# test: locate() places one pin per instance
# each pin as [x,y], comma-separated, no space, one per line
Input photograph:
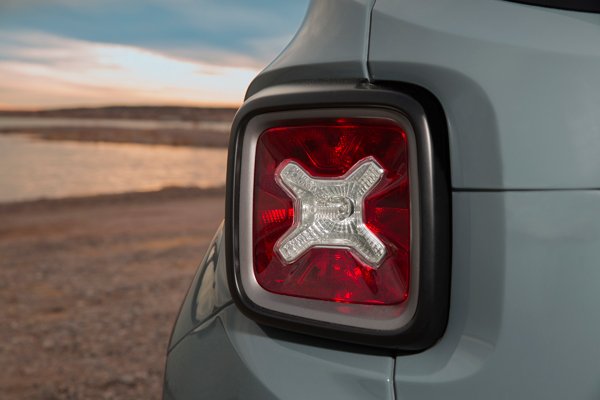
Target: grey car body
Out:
[520,88]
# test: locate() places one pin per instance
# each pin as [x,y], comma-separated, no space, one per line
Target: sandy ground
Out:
[90,288]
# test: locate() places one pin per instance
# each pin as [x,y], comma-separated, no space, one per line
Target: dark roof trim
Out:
[592,6]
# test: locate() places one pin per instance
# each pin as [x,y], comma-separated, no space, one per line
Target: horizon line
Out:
[60,108]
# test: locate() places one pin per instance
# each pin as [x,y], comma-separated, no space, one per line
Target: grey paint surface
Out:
[230,356]
[204,365]
[331,43]
[208,292]
[295,366]
[520,86]
[524,318]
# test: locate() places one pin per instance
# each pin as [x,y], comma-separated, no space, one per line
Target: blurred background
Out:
[114,123]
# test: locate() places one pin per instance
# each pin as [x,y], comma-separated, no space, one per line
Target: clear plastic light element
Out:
[329,212]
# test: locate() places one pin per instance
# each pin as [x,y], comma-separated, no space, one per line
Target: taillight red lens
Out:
[329,272]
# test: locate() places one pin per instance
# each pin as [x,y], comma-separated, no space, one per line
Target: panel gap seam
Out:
[369,23]
[393,383]
[478,190]
[212,314]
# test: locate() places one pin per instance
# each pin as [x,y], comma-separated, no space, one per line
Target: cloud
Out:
[39,70]
[93,52]
[223,32]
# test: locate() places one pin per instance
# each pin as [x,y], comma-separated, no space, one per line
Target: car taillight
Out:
[337,219]
[332,212]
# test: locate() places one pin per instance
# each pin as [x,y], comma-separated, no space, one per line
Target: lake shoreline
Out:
[170,137]
[162,195]
[174,126]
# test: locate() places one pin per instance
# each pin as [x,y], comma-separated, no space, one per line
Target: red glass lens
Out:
[334,274]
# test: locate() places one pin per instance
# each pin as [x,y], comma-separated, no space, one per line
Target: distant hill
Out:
[172,113]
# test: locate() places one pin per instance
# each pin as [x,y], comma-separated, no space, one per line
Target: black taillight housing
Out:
[338,213]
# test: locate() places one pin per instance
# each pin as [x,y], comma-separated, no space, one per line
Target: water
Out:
[31,168]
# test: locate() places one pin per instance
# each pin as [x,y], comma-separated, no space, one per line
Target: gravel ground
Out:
[90,288]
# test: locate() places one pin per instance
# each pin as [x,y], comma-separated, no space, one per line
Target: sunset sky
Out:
[69,53]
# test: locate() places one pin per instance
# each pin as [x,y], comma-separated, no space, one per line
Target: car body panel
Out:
[208,292]
[204,364]
[330,44]
[295,366]
[520,86]
[230,356]
[524,318]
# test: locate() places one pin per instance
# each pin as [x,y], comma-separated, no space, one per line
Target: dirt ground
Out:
[90,288]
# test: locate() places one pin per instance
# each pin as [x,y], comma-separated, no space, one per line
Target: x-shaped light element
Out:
[329,211]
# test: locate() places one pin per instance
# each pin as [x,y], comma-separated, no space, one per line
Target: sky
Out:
[85,53]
